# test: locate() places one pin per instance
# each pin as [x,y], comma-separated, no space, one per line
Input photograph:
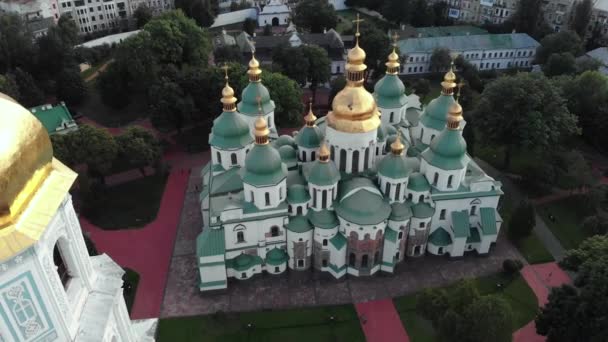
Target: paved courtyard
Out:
[297,289]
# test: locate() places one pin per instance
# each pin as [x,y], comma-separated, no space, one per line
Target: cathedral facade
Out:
[377,182]
[50,288]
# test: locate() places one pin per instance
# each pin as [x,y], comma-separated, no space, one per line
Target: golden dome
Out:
[261,131]
[356,55]
[449,80]
[324,153]
[397,146]
[354,110]
[310,119]
[228,98]
[254,71]
[392,66]
[26,154]
[454,116]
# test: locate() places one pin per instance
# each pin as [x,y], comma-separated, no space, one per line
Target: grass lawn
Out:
[129,205]
[311,324]
[131,280]
[515,291]
[568,218]
[533,250]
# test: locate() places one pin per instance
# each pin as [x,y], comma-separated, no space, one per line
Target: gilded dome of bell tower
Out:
[354,109]
[26,154]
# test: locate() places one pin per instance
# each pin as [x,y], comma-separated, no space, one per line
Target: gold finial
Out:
[449,80]
[225,68]
[260,125]
[395,38]
[228,99]
[357,33]
[324,153]
[397,146]
[392,66]
[310,119]
[455,111]
[254,71]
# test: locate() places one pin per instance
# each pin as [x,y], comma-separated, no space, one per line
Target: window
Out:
[355,161]
[338,69]
[421,198]
[473,209]
[314,198]
[409,197]
[277,269]
[233,159]
[324,242]
[364,261]
[440,250]
[219,157]
[342,160]
[312,156]
[442,214]
[324,199]
[240,237]
[352,259]
[303,155]
[243,275]
[392,117]
[299,210]
[400,236]
[252,199]
[24,311]
[432,137]
[398,192]
[387,190]
[300,262]
[435,178]
[62,268]
[267,198]
[421,225]
[274,231]
[397,256]
[450,181]
[324,263]
[366,159]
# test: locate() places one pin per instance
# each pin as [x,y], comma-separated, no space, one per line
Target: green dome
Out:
[363,206]
[324,219]
[390,92]
[418,182]
[244,262]
[394,167]
[287,153]
[400,211]
[263,166]
[381,133]
[309,137]
[323,174]
[249,99]
[299,224]
[422,210]
[297,194]
[284,140]
[447,151]
[276,256]
[435,114]
[391,130]
[229,131]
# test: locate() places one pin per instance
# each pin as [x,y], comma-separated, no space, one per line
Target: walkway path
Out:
[542,231]
[96,73]
[541,278]
[147,250]
[380,321]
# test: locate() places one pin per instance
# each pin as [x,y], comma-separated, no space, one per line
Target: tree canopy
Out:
[522,221]
[560,42]
[582,17]
[440,59]
[202,11]
[524,110]
[142,15]
[315,15]
[560,64]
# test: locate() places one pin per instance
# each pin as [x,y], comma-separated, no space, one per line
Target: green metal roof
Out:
[323,174]
[394,167]
[243,262]
[422,210]
[440,238]
[390,234]
[309,137]
[456,30]
[249,100]
[338,241]
[297,194]
[488,221]
[462,192]
[263,166]
[435,114]
[276,256]
[362,206]
[228,181]
[284,140]
[472,42]
[210,242]
[52,118]
[418,182]
[287,153]
[448,151]
[230,131]
[473,235]
[389,92]
[460,224]
[324,219]
[400,211]
[299,224]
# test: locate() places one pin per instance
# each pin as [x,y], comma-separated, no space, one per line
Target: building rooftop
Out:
[468,43]
[55,118]
[111,39]
[235,17]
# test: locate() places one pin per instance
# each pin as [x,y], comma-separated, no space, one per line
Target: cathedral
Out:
[377,182]
[50,288]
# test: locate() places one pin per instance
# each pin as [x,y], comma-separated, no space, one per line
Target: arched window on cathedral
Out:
[398,192]
[364,261]
[267,197]
[303,155]
[355,167]
[421,199]
[450,181]
[392,117]
[387,189]
[342,160]
[62,267]
[333,152]
[240,237]
[219,157]
[377,258]
[366,160]
[352,259]
[435,179]
[312,156]
[324,199]
[274,231]
[233,158]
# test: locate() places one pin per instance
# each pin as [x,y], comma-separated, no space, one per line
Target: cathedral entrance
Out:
[275,21]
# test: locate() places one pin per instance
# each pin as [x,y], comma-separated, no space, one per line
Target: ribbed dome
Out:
[230,130]
[447,151]
[390,92]
[309,137]
[26,154]
[284,140]
[287,153]
[249,100]
[323,173]
[263,166]
[394,166]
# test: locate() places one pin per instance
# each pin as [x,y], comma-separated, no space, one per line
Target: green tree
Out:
[375,42]
[527,110]
[560,64]
[142,15]
[9,87]
[587,64]
[292,62]
[314,15]
[396,11]
[335,86]
[227,53]
[71,87]
[596,224]
[171,107]
[287,96]
[528,17]
[591,249]
[493,320]
[67,30]
[560,42]
[249,26]
[582,17]
[577,171]
[440,59]
[522,221]
[89,145]
[469,136]
[422,14]
[113,87]
[469,73]
[319,66]
[16,46]
[202,11]
[30,93]
[139,146]
[432,303]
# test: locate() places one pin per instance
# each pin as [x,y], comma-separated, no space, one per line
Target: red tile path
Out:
[540,278]
[147,250]
[380,321]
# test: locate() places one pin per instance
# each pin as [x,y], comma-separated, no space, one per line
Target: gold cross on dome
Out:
[395,37]
[225,68]
[356,22]
[259,100]
[460,85]
[252,47]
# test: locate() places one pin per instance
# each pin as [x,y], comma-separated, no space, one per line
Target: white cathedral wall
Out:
[266,19]
[347,227]
[395,113]
[225,157]
[395,183]
[443,176]
[351,142]
[415,196]
[306,155]
[269,117]
[292,238]
[463,204]
[316,195]
[276,193]
[256,233]
[388,255]
[321,234]
[427,134]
